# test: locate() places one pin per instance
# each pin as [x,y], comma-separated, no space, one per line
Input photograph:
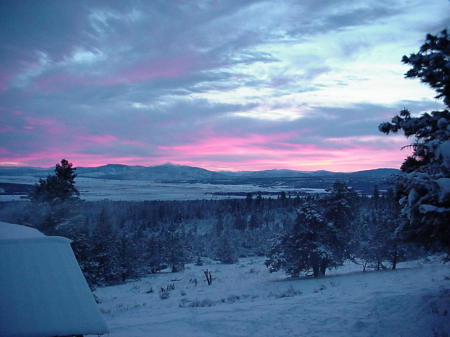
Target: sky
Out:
[223,85]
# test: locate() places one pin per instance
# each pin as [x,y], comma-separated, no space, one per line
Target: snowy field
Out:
[136,190]
[246,300]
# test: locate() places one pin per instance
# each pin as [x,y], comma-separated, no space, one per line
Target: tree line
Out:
[119,240]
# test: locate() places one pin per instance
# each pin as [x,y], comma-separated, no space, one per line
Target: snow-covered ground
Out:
[246,300]
[137,190]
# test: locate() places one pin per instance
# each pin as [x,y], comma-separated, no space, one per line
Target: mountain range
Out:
[172,172]
[363,181]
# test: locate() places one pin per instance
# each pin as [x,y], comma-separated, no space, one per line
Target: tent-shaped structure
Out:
[42,289]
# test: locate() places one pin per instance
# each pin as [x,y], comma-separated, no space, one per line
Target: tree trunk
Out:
[395,258]
[323,267]
[315,261]
[316,270]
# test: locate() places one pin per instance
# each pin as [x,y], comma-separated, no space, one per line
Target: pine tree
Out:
[128,255]
[239,222]
[104,255]
[218,228]
[82,246]
[153,254]
[309,245]
[174,248]
[225,251]
[424,188]
[58,187]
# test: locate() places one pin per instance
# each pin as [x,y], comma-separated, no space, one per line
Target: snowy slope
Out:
[245,300]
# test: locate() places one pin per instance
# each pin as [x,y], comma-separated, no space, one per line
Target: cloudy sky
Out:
[231,84]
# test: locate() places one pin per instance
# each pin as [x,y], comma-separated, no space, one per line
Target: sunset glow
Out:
[221,85]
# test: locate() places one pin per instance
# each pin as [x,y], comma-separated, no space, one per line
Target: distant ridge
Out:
[174,172]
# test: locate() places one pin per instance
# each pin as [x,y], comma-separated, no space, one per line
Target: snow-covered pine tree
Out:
[153,254]
[225,250]
[375,239]
[424,188]
[239,222]
[309,245]
[339,210]
[128,255]
[104,256]
[174,247]
[368,248]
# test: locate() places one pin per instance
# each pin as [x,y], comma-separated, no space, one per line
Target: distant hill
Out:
[181,172]
[363,181]
[25,171]
[160,172]
[268,173]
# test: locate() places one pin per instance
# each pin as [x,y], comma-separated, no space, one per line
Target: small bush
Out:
[290,292]
[322,288]
[164,295]
[185,303]
[232,299]
[236,298]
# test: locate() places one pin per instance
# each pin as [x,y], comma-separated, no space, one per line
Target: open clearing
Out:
[246,300]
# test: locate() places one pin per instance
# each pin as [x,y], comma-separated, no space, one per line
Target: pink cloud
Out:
[229,145]
[17,121]
[6,77]
[322,159]
[54,155]
[7,128]
[268,152]
[49,126]
[97,139]
[252,152]
[381,140]
[107,139]
[59,81]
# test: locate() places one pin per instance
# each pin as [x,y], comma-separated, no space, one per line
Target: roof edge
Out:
[44,239]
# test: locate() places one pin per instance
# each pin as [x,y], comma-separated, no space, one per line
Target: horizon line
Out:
[212,170]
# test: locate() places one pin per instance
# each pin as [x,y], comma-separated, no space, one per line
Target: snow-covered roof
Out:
[42,289]
[12,231]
